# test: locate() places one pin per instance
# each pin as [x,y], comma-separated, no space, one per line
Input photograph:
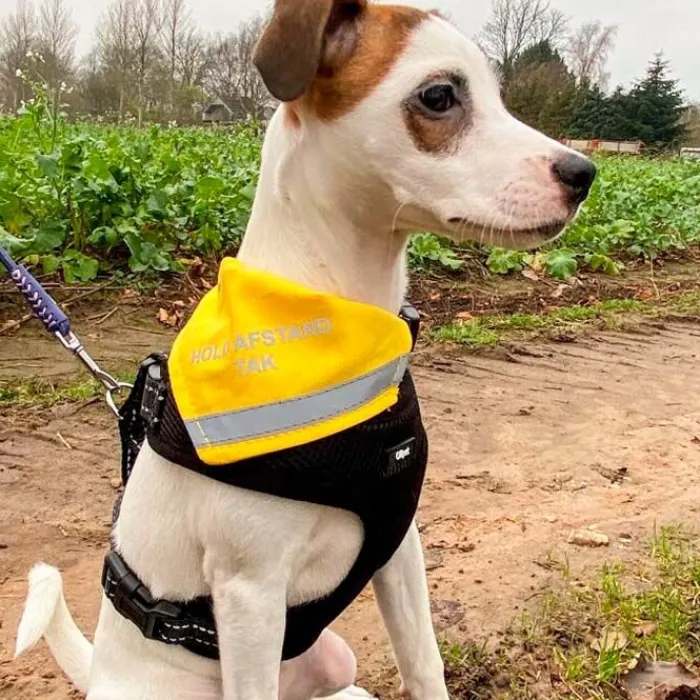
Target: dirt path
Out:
[522,452]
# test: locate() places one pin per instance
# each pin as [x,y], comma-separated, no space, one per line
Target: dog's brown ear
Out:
[303,38]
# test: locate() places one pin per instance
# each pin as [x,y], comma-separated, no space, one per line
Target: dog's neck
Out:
[320,220]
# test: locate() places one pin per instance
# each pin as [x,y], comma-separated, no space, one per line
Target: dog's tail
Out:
[46,615]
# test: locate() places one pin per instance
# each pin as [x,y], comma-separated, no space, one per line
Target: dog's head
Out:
[406,98]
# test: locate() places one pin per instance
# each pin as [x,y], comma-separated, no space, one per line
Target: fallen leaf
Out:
[610,640]
[588,538]
[530,274]
[167,319]
[653,680]
[464,316]
[559,291]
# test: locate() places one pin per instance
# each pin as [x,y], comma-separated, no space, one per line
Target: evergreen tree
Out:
[655,104]
[588,120]
[542,91]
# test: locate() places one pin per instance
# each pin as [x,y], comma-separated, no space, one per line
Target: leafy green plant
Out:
[503,262]
[426,249]
[84,199]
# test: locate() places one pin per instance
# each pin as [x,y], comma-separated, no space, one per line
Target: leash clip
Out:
[72,343]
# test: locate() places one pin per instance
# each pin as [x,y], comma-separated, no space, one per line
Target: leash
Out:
[58,325]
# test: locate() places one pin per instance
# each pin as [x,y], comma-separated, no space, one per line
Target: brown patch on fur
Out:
[354,64]
[433,134]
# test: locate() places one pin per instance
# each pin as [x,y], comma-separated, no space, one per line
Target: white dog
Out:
[391,123]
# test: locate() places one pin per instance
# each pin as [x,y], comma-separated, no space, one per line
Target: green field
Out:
[85,200]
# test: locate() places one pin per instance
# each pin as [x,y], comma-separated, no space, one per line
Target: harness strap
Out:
[190,625]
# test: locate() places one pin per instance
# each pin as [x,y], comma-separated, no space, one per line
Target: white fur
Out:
[335,204]
[46,615]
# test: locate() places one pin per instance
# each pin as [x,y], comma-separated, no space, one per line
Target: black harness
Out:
[374,470]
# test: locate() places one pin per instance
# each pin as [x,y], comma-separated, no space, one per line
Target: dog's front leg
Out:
[401,589]
[250,619]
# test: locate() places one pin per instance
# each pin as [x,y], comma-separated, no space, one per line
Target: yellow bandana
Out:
[265,364]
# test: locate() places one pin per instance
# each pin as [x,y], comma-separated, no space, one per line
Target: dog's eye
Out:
[438,98]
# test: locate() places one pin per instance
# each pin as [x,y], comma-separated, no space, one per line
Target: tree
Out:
[588,50]
[147,20]
[17,41]
[231,75]
[516,24]
[184,50]
[116,51]
[691,122]
[656,105]
[55,41]
[542,92]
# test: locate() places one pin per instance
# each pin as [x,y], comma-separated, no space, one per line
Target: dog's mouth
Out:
[511,237]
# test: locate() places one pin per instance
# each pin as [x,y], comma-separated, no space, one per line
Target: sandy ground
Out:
[603,432]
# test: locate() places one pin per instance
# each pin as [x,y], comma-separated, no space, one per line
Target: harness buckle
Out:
[132,599]
[411,317]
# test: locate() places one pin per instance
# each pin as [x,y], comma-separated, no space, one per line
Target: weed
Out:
[473,334]
[46,393]
[487,331]
[587,633]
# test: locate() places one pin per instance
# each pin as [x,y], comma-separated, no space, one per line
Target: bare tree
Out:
[231,75]
[588,51]
[191,59]
[17,40]
[116,51]
[56,37]
[185,52]
[691,120]
[176,20]
[147,20]
[516,24]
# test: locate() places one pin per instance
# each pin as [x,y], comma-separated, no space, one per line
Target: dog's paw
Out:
[354,692]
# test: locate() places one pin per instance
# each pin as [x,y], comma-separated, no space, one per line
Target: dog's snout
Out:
[577,174]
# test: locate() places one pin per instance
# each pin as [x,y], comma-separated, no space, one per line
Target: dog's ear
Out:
[304,38]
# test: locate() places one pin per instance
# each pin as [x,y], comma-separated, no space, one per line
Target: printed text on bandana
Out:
[264,341]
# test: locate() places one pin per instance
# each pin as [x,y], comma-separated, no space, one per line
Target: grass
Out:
[489,331]
[587,634]
[19,394]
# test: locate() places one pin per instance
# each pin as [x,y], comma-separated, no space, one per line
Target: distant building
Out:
[236,109]
[633,148]
[217,112]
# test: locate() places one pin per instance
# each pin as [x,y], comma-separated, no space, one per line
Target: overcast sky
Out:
[645,27]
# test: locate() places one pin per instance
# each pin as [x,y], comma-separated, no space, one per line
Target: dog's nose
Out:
[577,174]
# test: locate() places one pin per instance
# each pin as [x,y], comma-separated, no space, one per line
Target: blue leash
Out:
[57,324]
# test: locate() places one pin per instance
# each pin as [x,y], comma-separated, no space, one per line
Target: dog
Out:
[390,122]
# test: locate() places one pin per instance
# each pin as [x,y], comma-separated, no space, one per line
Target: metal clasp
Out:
[72,343]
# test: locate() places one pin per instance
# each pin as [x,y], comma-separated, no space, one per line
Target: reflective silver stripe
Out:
[269,419]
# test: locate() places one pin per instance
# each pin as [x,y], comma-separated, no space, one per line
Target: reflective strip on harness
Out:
[270,419]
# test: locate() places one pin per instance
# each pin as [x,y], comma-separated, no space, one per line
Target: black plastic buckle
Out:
[133,600]
[153,399]
[410,315]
